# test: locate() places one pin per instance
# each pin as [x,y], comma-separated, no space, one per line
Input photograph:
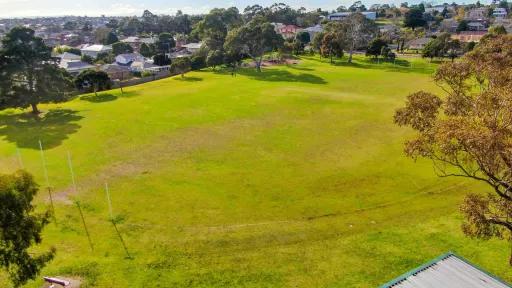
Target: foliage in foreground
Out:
[20,228]
[468,132]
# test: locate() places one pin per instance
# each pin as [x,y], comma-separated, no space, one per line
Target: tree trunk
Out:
[350,56]
[35,110]
[258,64]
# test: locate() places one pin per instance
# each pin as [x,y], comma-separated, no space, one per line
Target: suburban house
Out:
[94,50]
[115,71]
[500,13]
[288,31]
[136,42]
[66,57]
[342,15]
[448,270]
[418,44]
[312,31]
[180,54]
[449,25]
[469,36]
[128,59]
[477,26]
[476,14]
[192,47]
[436,9]
[75,67]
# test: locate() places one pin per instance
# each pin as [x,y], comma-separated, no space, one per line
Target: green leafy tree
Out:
[303,37]
[29,77]
[181,66]
[119,48]
[197,62]
[214,26]
[161,60]
[316,44]
[91,80]
[254,39]
[70,25]
[111,38]
[147,50]
[357,31]
[462,26]
[466,133]
[21,228]
[215,58]
[165,43]
[105,58]
[375,47]
[332,46]
[414,18]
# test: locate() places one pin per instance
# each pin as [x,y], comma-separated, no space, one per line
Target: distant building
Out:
[447,271]
[75,67]
[469,36]
[136,42]
[288,31]
[128,59]
[418,44]
[477,14]
[500,13]
[116,72]
[94,50]
[66,57]
[476,26]
[192,47]
[449,25]
[312,31]
[342,15]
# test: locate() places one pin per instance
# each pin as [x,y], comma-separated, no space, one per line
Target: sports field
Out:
[294,177]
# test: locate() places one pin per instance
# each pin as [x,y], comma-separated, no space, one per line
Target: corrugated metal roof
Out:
[447,271]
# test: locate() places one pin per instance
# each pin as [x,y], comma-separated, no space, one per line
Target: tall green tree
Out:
[21,228]
[29,76]
[414,18]
[165,42]
[254,39]
[94,81]
[147,50]
[214,27]
[215,58]
[119,48]
[181,66]
[357,32]
[466,132]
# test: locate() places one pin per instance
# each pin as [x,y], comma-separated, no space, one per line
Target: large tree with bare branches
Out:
[467,132]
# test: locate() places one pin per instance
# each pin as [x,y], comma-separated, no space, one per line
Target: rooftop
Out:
[447,271]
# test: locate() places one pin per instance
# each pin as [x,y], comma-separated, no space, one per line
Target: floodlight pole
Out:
[70,163]
[112,220]
[43,161]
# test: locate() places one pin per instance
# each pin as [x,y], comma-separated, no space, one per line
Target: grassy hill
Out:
[290,178]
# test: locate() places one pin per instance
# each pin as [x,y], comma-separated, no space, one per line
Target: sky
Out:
[36,8]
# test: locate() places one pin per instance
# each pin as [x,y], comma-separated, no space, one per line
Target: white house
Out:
[127,59]
[66,57]
[342,15]
[75,67]
[94,50]
[312,31]
[500,13]
[192,47]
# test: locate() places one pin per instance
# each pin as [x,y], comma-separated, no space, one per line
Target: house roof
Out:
[75,65]
[114,68]
[66,56]
[447,271]
[192,45]
[317,28]
[96,48]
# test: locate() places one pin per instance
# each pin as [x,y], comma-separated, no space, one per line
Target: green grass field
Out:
[290,178]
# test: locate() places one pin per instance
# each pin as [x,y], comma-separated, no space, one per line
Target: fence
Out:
[137,81]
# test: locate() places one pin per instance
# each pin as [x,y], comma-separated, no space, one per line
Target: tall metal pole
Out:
[113,221]
[70,163]
[48,187]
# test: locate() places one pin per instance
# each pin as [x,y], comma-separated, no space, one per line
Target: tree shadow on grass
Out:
[26,129]
[279,75]
[295,67]
[188,79]
[103,97]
